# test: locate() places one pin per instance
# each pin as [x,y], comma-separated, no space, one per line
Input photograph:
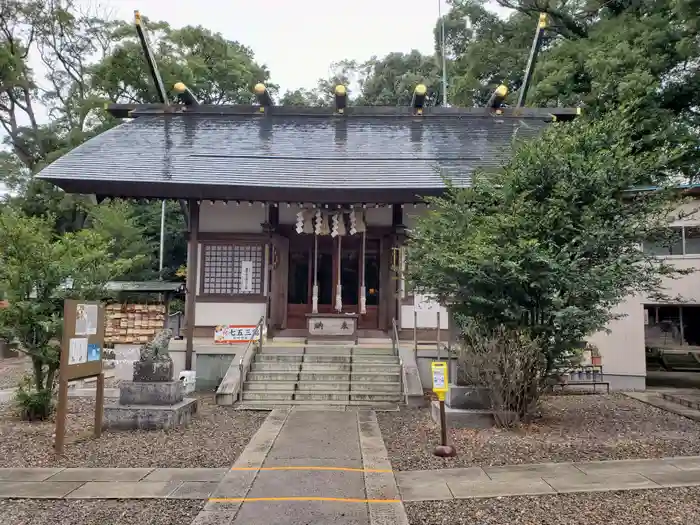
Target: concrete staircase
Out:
[323,375]
[686,361]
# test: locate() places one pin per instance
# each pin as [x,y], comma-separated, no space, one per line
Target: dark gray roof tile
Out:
[291,152]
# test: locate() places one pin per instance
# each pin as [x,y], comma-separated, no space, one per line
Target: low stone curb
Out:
[423,485]
[378,485]
[548,478]
[109,483]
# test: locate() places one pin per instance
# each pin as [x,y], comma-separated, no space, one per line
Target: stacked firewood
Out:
[133,323]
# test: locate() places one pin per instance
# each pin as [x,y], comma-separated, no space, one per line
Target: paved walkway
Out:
[309,466]
[285,475]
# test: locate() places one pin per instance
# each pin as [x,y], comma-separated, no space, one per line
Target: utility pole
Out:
[162,238]
[444,60]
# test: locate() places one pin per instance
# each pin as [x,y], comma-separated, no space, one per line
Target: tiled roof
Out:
[362,152]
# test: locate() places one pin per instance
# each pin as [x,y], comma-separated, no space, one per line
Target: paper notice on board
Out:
[86,319]
[246,279]
[78,351]
[438,378]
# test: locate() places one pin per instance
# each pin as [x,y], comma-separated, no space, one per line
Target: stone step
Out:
[691,400]
[268,396]
[326,358]
[375,396]
[360,387]
[383,377]
[336,386]
[327,349]
[376,367]
[680,361]
[326,367]
[323,376]
[264,386]
[381,359]
[372,351]
[278,350]
[319,405]
[319,395]
[275,366]
[278,358]
[267,375]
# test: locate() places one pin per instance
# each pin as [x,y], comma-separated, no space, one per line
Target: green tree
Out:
[303,97]
[38,270]
[550,245]
[390,81]
[217,70]
[599,55]
[90,60]
[386,81]
[118,221]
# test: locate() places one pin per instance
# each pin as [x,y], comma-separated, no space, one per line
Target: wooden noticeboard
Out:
[81,358]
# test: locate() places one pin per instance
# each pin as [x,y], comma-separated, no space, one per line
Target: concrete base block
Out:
[150,393]
[416,401]
[463,418]
[467,397]
[150,417]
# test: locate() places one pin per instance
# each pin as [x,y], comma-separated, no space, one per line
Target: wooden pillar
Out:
[362,293]
[399,231]
[192,270]
[385,297]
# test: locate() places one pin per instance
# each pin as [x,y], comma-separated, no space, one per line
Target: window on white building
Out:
[692,240]
[232,269]
[670,245]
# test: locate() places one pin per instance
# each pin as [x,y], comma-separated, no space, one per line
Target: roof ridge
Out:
[366,158]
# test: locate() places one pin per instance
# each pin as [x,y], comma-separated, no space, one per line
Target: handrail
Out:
[402,380]
[438,341]
[251,344]
[394,337]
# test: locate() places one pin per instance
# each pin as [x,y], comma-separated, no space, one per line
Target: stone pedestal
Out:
[151,401]
[463,418]
[467,397]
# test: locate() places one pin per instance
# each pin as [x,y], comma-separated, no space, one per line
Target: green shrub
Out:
[32,404]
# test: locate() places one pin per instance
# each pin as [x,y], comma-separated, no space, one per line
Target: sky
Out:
[297,40]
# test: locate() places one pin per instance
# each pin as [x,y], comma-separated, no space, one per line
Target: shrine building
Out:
[296,211]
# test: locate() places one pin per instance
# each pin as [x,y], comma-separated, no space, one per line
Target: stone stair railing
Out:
[231,385]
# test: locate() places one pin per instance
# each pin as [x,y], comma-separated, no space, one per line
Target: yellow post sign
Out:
[439,370]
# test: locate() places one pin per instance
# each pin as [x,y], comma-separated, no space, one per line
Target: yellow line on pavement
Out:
[310,498]
[342,469]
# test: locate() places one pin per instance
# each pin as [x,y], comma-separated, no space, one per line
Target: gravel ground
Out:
[11,371]
[103,512]
[214,439]
[677,506]
[572,428]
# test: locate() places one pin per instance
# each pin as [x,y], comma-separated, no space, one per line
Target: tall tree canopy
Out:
[89,60]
